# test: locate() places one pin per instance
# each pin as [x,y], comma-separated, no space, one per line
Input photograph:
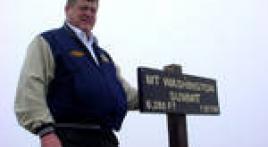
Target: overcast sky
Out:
[222,39]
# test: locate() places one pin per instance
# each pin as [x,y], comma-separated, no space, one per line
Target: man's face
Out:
[82,14]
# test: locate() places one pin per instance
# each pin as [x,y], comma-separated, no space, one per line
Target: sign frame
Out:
[169,92]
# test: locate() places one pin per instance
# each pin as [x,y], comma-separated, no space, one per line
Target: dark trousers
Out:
[71,137]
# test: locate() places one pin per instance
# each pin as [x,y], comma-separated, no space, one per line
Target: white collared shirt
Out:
[87,41]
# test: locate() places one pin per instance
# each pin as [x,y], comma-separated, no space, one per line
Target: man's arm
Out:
[30,105]
[132,93]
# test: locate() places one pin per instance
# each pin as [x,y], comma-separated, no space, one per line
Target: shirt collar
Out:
[81,34]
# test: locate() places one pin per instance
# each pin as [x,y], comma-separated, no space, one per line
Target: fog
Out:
[221,39]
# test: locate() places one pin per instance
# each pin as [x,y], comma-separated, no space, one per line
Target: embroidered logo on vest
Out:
[104,58]
[77,53]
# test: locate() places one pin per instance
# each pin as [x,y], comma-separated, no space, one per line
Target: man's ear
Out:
[66,8]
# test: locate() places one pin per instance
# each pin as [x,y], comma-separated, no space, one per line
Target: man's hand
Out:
[50,140]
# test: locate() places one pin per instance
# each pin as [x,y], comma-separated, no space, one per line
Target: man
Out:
[70,93]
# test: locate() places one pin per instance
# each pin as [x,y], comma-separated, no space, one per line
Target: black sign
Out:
[167,92]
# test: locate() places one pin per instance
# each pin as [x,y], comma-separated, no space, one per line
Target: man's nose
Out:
[91,11]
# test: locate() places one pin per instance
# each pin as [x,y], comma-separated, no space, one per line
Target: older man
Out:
[70,92]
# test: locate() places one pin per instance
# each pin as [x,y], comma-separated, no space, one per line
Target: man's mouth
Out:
[87,20]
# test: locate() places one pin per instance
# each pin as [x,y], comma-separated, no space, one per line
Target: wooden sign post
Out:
[176,94]
[177,123]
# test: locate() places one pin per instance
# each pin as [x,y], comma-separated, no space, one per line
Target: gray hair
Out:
[72,2]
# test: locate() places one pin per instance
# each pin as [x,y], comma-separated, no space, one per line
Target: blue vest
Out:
[83,92]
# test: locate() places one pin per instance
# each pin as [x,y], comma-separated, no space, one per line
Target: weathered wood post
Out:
[177,130]
[177,123]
